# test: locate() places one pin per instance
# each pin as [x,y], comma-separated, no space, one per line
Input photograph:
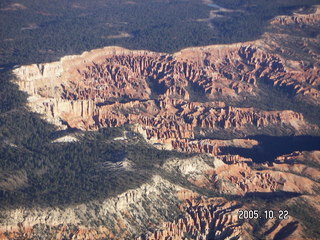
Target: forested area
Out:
[45,31]
[64,173]
[40,31]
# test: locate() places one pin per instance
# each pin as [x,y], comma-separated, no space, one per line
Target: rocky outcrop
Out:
[298,18]
[301,163]
[116,91]
[175,101]
[216,218]
[239,178]
[203,219]
[157,92]
[161,209]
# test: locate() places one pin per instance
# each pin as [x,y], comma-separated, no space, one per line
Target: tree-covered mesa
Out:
[41,31]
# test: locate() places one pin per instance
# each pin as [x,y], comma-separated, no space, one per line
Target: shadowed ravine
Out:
[271,147]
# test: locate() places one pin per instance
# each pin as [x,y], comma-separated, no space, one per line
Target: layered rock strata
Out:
[158,92]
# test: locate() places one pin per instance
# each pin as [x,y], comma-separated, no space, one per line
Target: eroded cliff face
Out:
[169,98]
[213,218]
[217,218]
[115,74]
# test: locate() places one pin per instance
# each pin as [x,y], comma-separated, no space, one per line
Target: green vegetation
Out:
[44,31]
[65,173]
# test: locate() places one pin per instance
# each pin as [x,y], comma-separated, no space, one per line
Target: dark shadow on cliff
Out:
[272,195]
[271,147]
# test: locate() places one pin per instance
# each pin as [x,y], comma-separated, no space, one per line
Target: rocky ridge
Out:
[156,205]
[96,219]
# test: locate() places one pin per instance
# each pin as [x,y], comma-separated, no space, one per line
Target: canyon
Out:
[202,101]
[159,94]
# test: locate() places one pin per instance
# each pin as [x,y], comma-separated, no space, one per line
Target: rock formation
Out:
[299,18]
[204,218]
[192,215]
[158,92]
